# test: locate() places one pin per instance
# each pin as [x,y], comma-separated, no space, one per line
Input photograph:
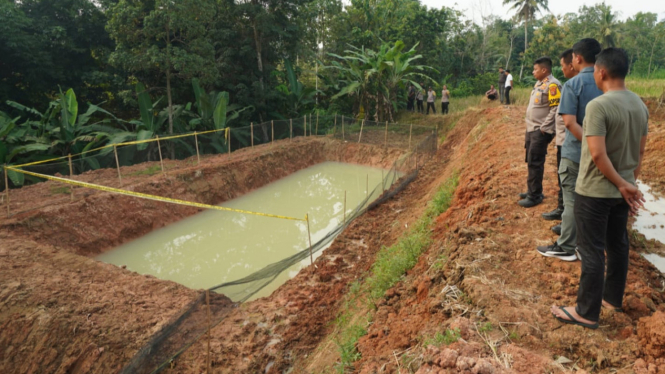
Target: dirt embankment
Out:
[61,312]
[478,300]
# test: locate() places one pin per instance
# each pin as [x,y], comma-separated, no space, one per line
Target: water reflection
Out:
[214,247]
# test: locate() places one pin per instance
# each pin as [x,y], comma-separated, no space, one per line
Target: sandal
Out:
[573,321]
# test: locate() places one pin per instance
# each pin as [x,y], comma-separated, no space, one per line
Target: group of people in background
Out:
[415,95]
[600,129]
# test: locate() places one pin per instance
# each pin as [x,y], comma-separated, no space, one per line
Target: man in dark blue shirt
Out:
[577,93]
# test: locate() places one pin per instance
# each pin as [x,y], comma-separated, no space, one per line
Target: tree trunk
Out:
[651,57]
[168,85]
[526,37]
[259,61]
[510,52]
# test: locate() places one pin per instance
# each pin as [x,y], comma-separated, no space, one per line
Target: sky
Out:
[475,9]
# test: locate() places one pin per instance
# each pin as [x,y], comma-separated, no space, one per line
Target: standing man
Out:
[540,128]
[419,99]
[445,99]
[615,135]
[577,93]
[566,60]
[502,84]
[431,95]
[411,96]
[508,86]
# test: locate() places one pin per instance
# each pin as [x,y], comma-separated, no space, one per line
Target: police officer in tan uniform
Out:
[540,128]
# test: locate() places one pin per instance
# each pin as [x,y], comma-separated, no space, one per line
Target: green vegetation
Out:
[388,269]
[448,337]
[150,170]
[55,189]
[486,327]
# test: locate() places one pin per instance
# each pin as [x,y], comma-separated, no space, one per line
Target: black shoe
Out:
[555,251]
[529,202]
[557,229]
[524,195]
[554,215]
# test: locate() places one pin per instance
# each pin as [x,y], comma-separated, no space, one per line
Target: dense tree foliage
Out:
[164,66]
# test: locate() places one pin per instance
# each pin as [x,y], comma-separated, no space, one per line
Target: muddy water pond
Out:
[213,247]
[651,222]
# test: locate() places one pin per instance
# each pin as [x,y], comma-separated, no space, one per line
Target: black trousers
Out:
[536,150]
[502,90]
[558,163]
[508,95]
[444,108]
[420,106]
[601,229]
[431,105]
[409,104]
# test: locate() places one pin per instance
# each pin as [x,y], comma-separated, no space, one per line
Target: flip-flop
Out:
[573,321]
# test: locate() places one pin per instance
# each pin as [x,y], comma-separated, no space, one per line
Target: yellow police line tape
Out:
[149,197]
[226,135]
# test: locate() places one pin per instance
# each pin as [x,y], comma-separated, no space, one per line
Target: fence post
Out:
[383,184]
[344,207]
[196,142]
[272,129]
[343,127]
[228,138]
[7,191]
[117,163]
[71,175]
[209,336]
[385,142]
[310,124]
[251,132]
[290,128]
[316,133]
[311,257]
[410,128]
[159,148]
[361,130]
[335,126]
[367,188]
[304,118]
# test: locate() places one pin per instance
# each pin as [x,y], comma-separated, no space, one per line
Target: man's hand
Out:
[633,197]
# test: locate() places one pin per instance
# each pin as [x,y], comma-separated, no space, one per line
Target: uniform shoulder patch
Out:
[554,94]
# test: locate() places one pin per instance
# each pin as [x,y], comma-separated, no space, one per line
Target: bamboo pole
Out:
[385,141]
[343,127]
[71,175]
[196,142]
[159,148]
[310,124]
[251,131]
[272,129]
[367,188]
[383,185]
[335,126]
[291,128]
[344,207]
[228,138]
[304,119]
[317,124]
[209,337]
[410,128]
[117,163]
[7,191]
[311,257]
[362,124]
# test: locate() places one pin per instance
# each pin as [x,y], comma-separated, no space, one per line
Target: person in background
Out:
[566,60]
[445,99]
[431,96]
[491,94]
[577,93]
[614,138]
[411,97]
[540,128]
[502,84]
[419,99]
[508,86]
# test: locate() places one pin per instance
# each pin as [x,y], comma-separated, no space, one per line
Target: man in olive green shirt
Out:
[614,137]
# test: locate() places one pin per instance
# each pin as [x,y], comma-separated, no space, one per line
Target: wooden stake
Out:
[196,142]
[304,118]
[335,127]
[367,188]
[343,128]
[310,124]
[209,336]
[251,130]
[344,206]
[117,163]
[272,128]
[159,148]
[317,124]
[228,138]
[410,128]
[71,175]
[311,257]
[7,191]
[291,128]
[361,130]
[385,141]
[383,185]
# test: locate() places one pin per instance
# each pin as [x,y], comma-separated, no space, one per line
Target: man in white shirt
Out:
[509,86]
[431,95]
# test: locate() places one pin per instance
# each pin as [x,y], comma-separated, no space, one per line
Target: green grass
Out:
[54,190]
[150,170]
[647,88]
[448,337]
[388,269]
[486,327]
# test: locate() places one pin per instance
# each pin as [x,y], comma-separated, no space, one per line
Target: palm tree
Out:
[608,26]
[526,11]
